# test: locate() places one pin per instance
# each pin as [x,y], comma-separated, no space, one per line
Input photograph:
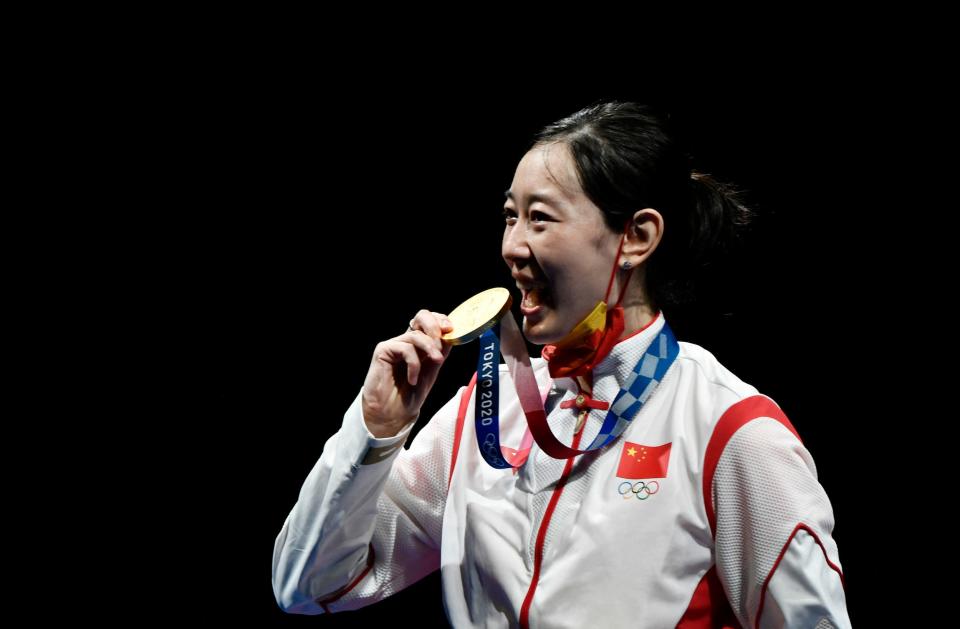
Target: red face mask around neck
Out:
[591,340]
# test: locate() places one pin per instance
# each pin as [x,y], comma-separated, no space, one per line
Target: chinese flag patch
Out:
[640,461]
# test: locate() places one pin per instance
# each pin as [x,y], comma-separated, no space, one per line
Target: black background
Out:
[310,218]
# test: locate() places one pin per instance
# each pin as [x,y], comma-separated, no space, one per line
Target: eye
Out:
[509,216]
[538,216]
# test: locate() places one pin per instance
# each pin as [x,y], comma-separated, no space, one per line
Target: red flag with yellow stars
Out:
[639,461]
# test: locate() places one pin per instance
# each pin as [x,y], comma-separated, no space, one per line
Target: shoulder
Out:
[723,401]
[700,364]
[708,383]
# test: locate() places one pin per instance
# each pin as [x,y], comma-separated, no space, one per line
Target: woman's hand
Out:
[402,372]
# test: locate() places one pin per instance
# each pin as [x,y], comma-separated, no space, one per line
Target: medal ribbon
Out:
[643,380]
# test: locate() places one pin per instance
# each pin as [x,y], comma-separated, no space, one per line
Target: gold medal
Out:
[477,315]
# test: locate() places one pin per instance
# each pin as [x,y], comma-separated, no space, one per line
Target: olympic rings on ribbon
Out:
[641,489]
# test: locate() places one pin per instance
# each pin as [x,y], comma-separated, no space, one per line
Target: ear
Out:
[643,233]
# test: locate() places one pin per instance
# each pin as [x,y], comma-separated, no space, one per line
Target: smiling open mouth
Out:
[534,298]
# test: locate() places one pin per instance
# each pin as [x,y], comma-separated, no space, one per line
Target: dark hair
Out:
[627,158]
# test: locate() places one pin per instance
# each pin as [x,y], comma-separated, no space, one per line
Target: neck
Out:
[635,318]
[638,311]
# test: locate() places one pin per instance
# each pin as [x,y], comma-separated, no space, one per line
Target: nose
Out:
[515,249]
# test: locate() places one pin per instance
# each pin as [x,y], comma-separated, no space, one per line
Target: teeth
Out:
[532,298]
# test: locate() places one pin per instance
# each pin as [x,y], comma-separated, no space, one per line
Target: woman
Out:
[701,508]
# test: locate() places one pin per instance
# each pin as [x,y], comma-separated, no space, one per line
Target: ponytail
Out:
[711,227]
[720,218]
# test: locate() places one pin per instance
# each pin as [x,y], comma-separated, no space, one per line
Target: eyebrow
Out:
[533,198]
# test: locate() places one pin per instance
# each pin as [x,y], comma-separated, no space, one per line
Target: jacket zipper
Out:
[542,532]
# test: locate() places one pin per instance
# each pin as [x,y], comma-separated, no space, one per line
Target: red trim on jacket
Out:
[461,414]
[371,556]
[640,329]
[734,418]
[709,607]
[783,551]
[542,536]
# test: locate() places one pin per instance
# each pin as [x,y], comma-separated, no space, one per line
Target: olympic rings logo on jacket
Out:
[641,490]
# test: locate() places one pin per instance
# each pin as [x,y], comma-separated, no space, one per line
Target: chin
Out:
[541,332]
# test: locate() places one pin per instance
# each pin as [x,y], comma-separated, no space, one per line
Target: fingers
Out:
[397,351]
[429,346]
[433,324]
[410,348]
[410,357]
[445,324]
[422,339]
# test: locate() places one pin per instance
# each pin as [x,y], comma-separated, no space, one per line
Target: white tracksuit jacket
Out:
[557,544]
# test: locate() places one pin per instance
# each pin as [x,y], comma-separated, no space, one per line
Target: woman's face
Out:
[559,250]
